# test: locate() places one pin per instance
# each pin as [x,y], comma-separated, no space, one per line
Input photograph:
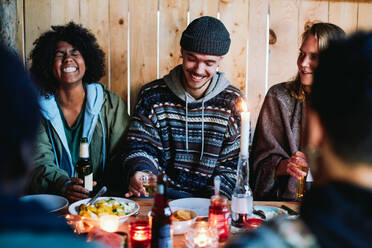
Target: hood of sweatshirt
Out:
[174,82]
[94,102]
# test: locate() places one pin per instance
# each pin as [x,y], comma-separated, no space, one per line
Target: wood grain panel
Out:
[235,61]
[344,14]
[283,54]
[365,15]
[257,52]
[311,11]
[64,11]
[94,16]
[173,20]
[118,47]
[20,30]
[37,21]
[245,19]
[143,30]
[200,8]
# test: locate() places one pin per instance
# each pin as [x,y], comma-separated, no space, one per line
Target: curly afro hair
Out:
[42,55]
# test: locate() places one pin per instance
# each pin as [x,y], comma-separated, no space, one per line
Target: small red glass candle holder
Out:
[253,223]
[140,233]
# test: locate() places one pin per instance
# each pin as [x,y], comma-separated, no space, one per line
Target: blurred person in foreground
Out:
[67,64]
[278,148]
[336,212]
[23,224]
[186,124]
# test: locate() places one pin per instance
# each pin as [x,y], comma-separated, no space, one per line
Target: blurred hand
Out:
[135,185]
[292,166]
[75,191]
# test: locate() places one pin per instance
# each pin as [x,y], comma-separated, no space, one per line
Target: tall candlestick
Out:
[245,117]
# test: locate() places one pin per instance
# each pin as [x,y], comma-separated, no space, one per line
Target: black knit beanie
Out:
[206,35]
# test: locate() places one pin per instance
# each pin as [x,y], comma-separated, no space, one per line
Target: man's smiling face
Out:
[198,70]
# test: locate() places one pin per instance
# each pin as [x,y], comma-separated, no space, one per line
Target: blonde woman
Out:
[277,149]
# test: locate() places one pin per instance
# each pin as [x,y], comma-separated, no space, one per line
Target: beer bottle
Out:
[161,216]
[83,167]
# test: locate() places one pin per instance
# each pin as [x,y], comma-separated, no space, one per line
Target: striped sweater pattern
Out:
[156,139]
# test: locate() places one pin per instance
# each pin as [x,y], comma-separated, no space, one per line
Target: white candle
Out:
[244,130]
[109,223]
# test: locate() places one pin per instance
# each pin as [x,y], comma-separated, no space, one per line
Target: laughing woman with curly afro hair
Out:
[67,64]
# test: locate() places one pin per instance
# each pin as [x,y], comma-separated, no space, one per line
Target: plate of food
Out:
[270,212]
[199,205]
[104,206]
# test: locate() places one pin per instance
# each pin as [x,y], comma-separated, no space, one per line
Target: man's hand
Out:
[135,185]
[292,166]
[74,190]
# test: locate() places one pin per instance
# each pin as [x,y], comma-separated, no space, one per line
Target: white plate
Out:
[52,203]
[199,205]
[74,207]
[270,211]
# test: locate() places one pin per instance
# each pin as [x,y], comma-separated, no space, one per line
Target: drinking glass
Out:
[149,183]
[301,184]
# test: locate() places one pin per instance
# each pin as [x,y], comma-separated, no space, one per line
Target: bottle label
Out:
[88,182]
[241,205]
[84,150]
[165,238]
[160,189]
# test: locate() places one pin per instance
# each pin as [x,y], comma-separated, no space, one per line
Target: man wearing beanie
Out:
[186,124]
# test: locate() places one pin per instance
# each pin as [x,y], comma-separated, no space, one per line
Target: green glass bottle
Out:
[84,168]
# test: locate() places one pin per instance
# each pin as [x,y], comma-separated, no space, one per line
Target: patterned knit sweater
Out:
[192,141]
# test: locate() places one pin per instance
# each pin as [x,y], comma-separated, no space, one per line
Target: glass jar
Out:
[219,216]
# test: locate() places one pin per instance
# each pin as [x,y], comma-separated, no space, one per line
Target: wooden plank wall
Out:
[141,37]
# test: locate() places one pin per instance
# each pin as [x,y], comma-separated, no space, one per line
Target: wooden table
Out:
[179,240]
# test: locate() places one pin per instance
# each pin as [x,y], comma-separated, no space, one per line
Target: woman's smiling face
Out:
[69,65]
[308,60]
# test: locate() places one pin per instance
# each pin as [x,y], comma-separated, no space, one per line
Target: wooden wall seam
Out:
[138,50]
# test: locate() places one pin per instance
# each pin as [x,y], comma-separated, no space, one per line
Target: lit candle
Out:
[109,223]
[140,233]
[202,234]
[245,117]
[201,240]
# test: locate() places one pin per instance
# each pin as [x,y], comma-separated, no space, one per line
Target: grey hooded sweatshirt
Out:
[217,85]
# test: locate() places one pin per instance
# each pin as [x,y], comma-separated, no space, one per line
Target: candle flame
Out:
[244,106]
[202,239]
[140,235]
